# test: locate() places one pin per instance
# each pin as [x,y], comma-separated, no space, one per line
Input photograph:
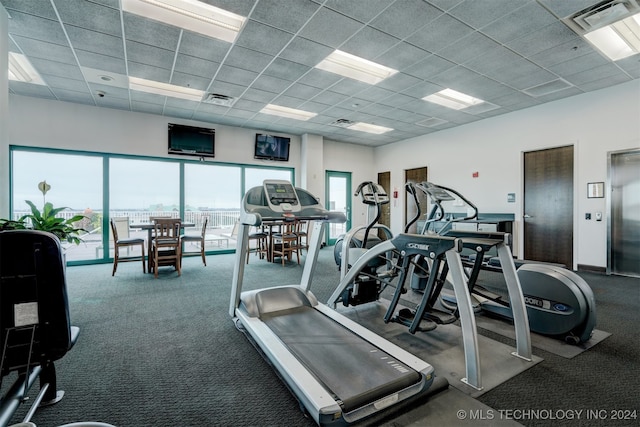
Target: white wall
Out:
[55,124]
[594,123]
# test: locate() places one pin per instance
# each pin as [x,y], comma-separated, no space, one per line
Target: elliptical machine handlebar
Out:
[439,194]
[410,188]
[372,194]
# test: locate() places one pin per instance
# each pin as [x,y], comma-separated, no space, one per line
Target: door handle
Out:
[525,216]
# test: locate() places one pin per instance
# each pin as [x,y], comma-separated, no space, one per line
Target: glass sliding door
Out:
[76,183]
[140,190]
[212,192]
[338,197]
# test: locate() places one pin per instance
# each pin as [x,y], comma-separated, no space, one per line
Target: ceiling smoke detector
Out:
[217,99]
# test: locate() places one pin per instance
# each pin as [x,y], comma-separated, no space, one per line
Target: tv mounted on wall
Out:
[270,147]
[191,141]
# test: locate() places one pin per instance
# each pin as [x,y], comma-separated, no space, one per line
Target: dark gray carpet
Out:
[165,353]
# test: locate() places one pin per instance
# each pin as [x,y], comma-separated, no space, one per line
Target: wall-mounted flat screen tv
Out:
[191,141]
[270,147]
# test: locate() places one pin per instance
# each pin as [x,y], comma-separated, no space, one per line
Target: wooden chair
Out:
[198,239]
[121,239]
[259,236]
[166,244]
[303,234]
[286,242]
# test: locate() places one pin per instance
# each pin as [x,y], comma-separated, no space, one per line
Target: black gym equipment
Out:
[35,329]
[559,303]
[380,271]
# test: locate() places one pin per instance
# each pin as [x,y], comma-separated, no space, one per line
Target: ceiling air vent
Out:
[547,88]
[431,122]
[342,123]
[601,14]
[217,99]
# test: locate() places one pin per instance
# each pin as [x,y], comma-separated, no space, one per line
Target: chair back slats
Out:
[166,244]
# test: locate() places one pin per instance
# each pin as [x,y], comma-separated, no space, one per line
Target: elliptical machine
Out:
[559,303]
[351,246]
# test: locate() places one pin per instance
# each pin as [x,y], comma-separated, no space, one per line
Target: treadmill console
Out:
[281,196]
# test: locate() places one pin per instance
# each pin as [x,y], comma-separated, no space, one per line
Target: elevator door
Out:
[624,217]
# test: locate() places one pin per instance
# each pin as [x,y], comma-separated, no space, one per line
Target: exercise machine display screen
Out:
[281,194]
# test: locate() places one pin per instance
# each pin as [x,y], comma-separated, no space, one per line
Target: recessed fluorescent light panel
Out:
[354,67]
[369,128]
[165,89]
[191,15]
[21,70]
[453,99]
[290,113]
[618,40]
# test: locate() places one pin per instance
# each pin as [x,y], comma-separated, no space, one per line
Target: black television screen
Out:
[191,141]
[271,147]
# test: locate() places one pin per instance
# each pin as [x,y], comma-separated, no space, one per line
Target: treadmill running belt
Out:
[353,369]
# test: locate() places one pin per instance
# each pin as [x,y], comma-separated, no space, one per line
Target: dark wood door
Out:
[414,175]
[548,205]
[384,179]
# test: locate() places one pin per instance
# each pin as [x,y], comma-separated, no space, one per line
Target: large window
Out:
[254,176]
[134,187]
[213,193]
[76,183]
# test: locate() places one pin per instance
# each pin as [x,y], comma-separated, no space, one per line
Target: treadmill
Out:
[339,371]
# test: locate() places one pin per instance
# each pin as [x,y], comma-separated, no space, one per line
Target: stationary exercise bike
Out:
[559,303]
[351,246]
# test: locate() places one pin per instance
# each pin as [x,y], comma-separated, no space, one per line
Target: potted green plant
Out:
[46,220]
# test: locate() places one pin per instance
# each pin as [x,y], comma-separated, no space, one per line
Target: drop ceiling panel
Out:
[478,14]
[236,75]
[195,66]
[519,23]
[357,11]
[368,43]
[35,27]
[189,80]
[149,72]
[263,38]
[59,69]
[330,28]
[429,67]
[288,15]
[247,59]
[286,70]
[92,41]
[42,9]
[468,47]
[550,36]
[90,16]
[440,33]
[402,55]
[101,62]
[403,18]
[203,47]
[148,32]
[43,50]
